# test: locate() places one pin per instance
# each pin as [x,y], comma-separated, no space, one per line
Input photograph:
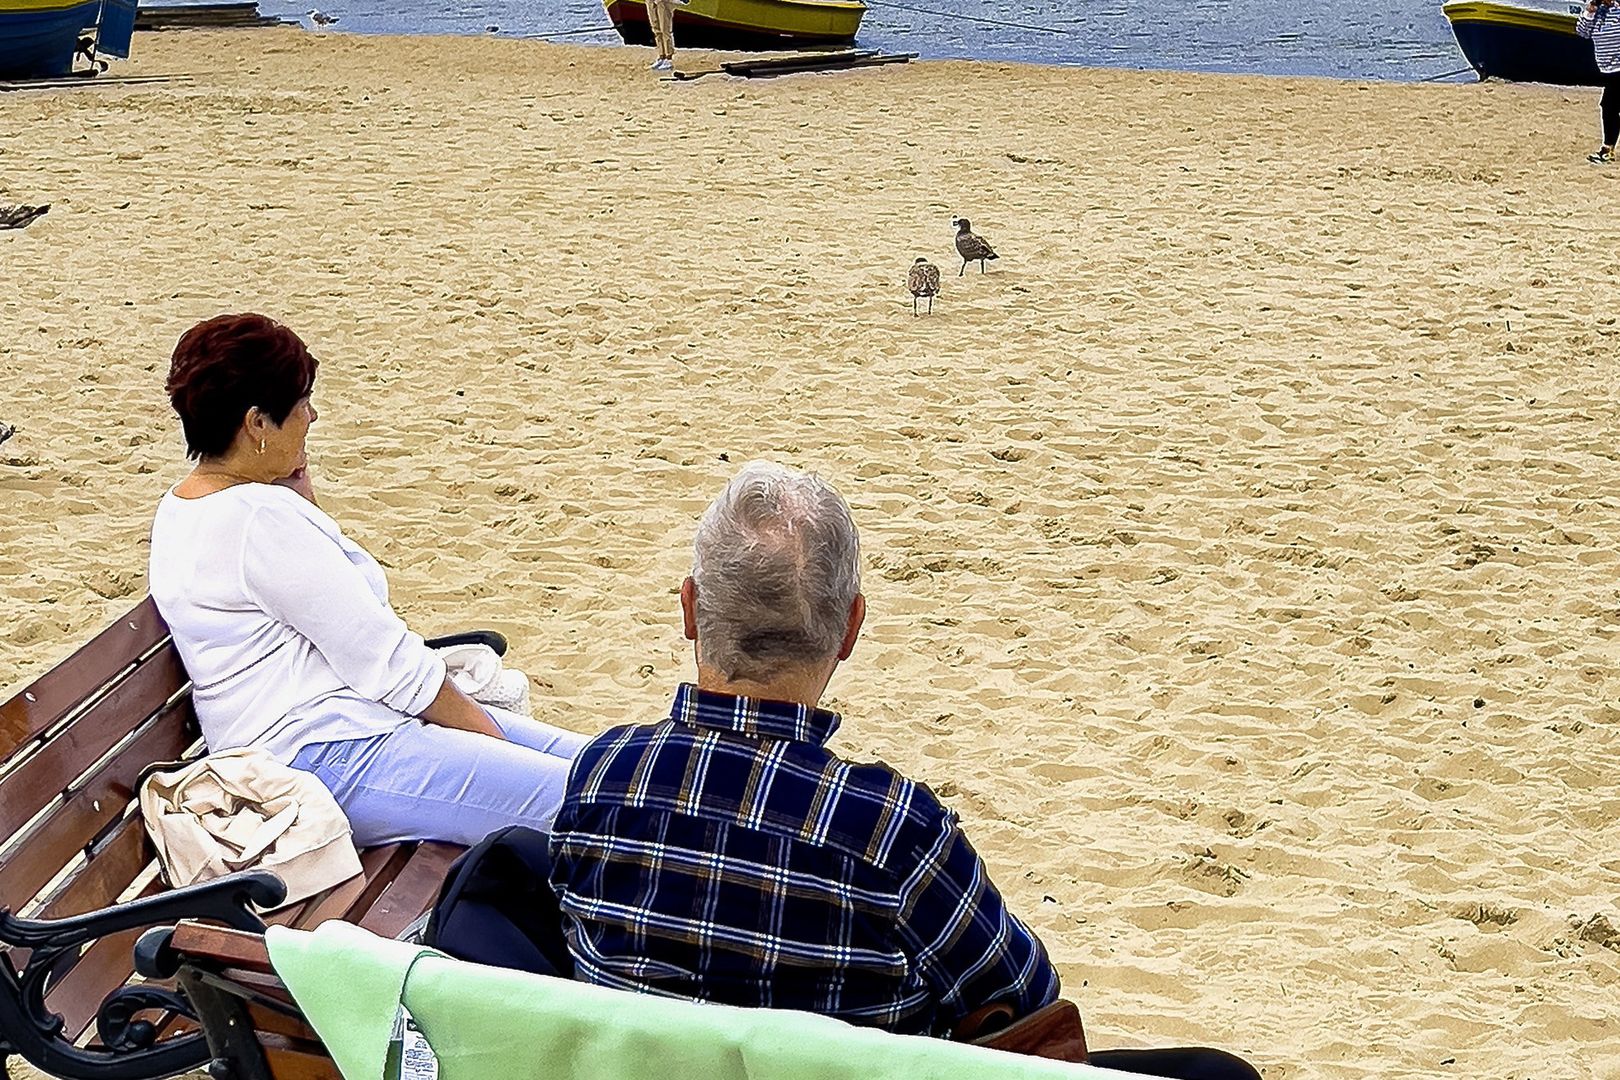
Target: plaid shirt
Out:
[725,855]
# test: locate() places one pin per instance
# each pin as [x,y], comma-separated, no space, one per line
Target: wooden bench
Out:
[78,887]
[256,1031]
[74,854]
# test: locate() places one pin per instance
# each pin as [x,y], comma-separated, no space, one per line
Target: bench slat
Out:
[334,903]
[113,866]
[89,807]
[378,866]
[412,891]
[289,1060]
[73,749]
[104,967]
[285,916]
[342,899]
[59,691]
[269,1021]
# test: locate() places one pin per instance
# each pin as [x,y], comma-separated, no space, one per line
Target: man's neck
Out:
[802,687]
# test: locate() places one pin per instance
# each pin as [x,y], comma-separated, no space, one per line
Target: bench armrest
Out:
[493,638]
[130,1048]
[163,949]
[1052,1031]
[229,900]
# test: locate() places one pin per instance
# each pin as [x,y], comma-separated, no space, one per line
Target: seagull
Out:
[6,432]
[923,281]
[971,247]
[321,18]
[17,217]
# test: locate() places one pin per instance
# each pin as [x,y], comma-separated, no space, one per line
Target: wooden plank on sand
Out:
[835,61]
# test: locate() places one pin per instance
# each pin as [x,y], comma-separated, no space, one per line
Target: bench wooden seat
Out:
[73,747]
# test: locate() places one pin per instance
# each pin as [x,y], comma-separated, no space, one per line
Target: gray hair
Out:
[777,564]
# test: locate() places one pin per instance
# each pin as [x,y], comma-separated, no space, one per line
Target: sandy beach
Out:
[1240,550]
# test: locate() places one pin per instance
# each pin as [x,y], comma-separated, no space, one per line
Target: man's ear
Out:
[857,615]
[689,608]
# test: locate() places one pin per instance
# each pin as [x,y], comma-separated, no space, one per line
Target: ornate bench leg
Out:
[32,1032]
[236,1052]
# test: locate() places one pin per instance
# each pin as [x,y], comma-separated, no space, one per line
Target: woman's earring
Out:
[261,446]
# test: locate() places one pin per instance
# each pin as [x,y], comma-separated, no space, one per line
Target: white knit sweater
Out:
[283,623]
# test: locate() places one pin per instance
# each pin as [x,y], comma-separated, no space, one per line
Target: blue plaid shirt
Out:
[726,855]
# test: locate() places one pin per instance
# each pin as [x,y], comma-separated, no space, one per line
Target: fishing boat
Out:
[1524,41]
[744,24]
[39,38]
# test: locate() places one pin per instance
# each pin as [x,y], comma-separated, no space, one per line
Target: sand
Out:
[1240,550]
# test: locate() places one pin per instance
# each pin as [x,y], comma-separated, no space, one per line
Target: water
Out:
[1360,39]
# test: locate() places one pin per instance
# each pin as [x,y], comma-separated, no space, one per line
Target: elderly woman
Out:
[284,623]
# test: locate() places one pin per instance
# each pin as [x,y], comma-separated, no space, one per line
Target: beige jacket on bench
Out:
[242,810]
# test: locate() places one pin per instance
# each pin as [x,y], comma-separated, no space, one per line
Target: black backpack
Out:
[496,906]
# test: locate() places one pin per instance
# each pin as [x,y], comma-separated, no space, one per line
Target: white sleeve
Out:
[300,576]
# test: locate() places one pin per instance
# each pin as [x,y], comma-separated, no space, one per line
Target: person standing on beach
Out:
[1601,24]
[661,17]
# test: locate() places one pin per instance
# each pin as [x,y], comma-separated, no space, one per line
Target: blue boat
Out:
[39,38]
[1523,41]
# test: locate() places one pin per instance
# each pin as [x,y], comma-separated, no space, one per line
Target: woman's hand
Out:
[301,482]
[453,709]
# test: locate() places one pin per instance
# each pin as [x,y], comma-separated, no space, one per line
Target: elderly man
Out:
[725,854]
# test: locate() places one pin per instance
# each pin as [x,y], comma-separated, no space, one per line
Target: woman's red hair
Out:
[229,364]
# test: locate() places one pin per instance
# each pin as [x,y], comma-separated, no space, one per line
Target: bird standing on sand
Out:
[6,432]
[321,18]
[971,247]
[923,280]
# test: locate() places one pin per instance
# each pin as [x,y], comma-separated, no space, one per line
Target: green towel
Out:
[487,1023]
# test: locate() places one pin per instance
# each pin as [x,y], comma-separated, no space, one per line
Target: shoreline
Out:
[1371,40]
[924,58]
[1280,434]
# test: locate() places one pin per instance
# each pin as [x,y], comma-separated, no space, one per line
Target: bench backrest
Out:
[72,748]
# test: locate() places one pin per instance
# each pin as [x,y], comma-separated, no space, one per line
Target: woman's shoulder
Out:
[244,502]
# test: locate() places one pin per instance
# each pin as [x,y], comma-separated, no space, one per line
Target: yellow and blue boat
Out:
[39,38]
[745,24]
[1524,41]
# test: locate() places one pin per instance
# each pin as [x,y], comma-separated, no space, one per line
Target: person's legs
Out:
[1182,1063]
[1610,108]
[527,731]
[427,782]
[663,11]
